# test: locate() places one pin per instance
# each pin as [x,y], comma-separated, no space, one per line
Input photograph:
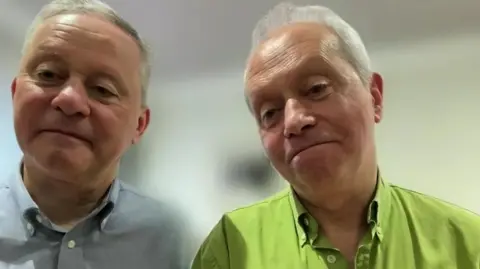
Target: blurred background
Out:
[201,152]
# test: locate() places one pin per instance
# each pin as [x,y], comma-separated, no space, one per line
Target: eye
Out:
[269,117]
[47,76]
[319,91]
[101,88]
[103,91]
[318,88]
[268,114]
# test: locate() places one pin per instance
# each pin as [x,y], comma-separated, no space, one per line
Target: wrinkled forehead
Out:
[291,50]
[87,42]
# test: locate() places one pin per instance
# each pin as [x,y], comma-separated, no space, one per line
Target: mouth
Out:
[66,133]
[298,151]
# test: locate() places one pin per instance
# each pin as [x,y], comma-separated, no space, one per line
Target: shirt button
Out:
[71,244]
[30,229]
[306,222]
[39,218]
[103,223]
[331,259]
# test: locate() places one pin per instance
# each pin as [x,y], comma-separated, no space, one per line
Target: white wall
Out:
[9,151]
[429,140]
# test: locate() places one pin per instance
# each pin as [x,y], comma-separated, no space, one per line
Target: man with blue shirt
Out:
[79,103]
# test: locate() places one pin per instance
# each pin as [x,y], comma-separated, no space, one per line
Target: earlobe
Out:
[142,124]
[376,90]
[13,86]
[143,121]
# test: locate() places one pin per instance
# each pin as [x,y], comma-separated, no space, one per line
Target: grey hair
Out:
[351,45]
[59,7]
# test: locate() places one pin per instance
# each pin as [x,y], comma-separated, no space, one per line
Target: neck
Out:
[347,209]
[64,201]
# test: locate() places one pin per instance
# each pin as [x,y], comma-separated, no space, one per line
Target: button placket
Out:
[363,257]
[71,253]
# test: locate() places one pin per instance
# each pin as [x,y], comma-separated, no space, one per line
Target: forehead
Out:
[85,35]
[289,51]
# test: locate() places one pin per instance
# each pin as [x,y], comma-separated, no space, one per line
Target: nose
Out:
[72,99]
[297,119]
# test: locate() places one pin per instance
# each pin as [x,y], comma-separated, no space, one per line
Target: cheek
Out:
[274,148]
[28,94]
[344,119]
[357,119]
[111,126]
[273,145]
[29,106]
[105,123]
[25,94]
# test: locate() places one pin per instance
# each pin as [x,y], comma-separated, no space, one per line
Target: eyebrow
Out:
[307,66]
[258,98]
[314,63]
[45,52]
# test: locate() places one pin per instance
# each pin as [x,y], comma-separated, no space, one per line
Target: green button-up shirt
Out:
[408,230]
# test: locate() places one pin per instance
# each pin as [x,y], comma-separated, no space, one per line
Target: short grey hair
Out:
[97,7]
[351,45]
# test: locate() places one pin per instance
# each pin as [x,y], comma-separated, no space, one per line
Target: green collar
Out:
[307,228]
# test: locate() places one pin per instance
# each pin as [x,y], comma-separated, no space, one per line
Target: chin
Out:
[62,163]
[321,159]
[312,165]
[317,170]
[315,175]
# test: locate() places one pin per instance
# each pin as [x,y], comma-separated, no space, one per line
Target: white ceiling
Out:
[194,36]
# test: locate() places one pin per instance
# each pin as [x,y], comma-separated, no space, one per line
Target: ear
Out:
[376,90]
[13,87]
[143,122]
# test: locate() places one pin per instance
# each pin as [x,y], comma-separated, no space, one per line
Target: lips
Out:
[67,133]
[299,149]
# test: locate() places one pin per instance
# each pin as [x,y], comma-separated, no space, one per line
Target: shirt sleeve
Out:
[213,253]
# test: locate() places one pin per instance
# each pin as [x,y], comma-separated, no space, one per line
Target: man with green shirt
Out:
[316,100]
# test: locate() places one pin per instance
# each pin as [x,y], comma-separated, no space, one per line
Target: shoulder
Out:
[138,209]
[436,206]
[162,222]
[231,233]
[267,209]
[439,216]
[7,203]
[248,220]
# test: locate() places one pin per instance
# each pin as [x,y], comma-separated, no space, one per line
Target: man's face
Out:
[315,117]
[77,97]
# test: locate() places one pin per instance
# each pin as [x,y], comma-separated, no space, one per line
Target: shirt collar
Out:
[28,208]
[307,229]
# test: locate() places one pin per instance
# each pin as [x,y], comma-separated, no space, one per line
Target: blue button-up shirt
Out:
[127,230]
